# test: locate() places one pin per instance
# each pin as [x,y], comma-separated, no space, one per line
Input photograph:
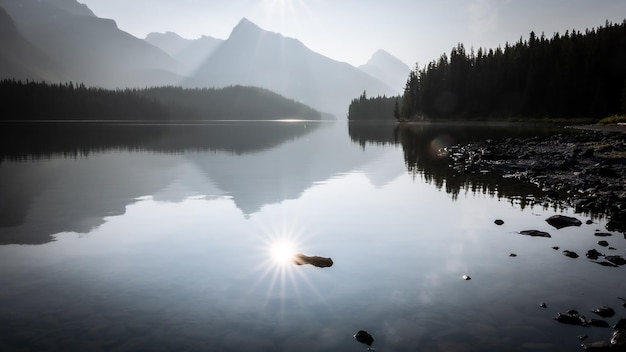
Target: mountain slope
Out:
[91,49]
[190,52]
[20,59]
[252,56]
[387,68]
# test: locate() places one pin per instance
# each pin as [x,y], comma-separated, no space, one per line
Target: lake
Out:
[142,237]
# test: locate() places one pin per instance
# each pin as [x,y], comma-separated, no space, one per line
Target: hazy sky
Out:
[352,30]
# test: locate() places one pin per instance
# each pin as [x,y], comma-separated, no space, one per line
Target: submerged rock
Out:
[499,222]
[364,337]
[570,254]
[593,254]
[605,263]
[619,339]
[320,262]
[620,325]
[603,243]
[534,233]
[561,221]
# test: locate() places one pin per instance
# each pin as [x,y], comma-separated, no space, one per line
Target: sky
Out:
[415,31]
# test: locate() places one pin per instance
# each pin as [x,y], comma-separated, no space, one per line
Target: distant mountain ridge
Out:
[388,69]
[190,52]
[63,40]
[253,56]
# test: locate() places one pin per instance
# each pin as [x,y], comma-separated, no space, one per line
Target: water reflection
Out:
[424,147]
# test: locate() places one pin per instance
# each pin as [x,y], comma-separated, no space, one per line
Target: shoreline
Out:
[585,170]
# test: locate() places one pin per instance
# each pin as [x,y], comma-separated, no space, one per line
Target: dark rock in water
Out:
[466,277]
[604,311]
[593,254]
[543,305]
[512,255]
[320,262]
[561,221]
[623,300]
[589,222]
[499,222]
[619,339]
[534,233]
[598,323]
[596,346]
[605,263]
[570,254]
[620,325]
[582,337]
[364,337]
[602,234]
[603,243]
[556,248]
[571,318]
[616,259]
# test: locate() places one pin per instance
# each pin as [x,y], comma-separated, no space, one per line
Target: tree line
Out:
[29,100]
[566,76]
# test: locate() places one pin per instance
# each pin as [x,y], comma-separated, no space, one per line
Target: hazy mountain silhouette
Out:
[253,56]
[190,52]
[90,49]
[388,69]
[20,59]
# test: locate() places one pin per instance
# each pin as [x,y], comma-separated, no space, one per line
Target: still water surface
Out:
[172,238]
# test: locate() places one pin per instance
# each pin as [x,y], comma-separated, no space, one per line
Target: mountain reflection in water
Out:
[179,238]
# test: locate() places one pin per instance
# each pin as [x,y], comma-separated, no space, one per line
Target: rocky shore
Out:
[584,169]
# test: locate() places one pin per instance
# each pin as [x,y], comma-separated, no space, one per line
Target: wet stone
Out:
[620,325]
[561,221]
[607,264]
[570,254]
[602,234]
[534,233]
[499,222]
[593,254]
[598,323]
[603,243]
[615,259]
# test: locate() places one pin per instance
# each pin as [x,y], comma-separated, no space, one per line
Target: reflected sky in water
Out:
[173,251]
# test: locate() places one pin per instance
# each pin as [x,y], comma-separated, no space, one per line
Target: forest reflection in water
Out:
[425,153]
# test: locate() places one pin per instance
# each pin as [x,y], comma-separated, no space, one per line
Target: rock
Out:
[499,222]
[561,221]
[602,234]
[618,339]
[466,277]
[598,323]
[512,255]
[620,325]
[543,305]
[604,311]
[534,233]
[571,318]
[596,346]
[605,263]
[570,254]
[589,222]
[623,300]
[364,337]
[593,254]
[603,243]
[615,259]
[320,262]
[556,248]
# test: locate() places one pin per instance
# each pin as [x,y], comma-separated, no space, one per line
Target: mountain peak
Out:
[246,25]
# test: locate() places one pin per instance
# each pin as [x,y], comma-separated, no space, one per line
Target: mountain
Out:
[388,69]
[20,59]
[90,49]
[190,52]
[253,56]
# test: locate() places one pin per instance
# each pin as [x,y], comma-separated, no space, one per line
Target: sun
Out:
[282,252]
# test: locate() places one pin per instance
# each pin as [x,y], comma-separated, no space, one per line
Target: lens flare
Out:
[282,252]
